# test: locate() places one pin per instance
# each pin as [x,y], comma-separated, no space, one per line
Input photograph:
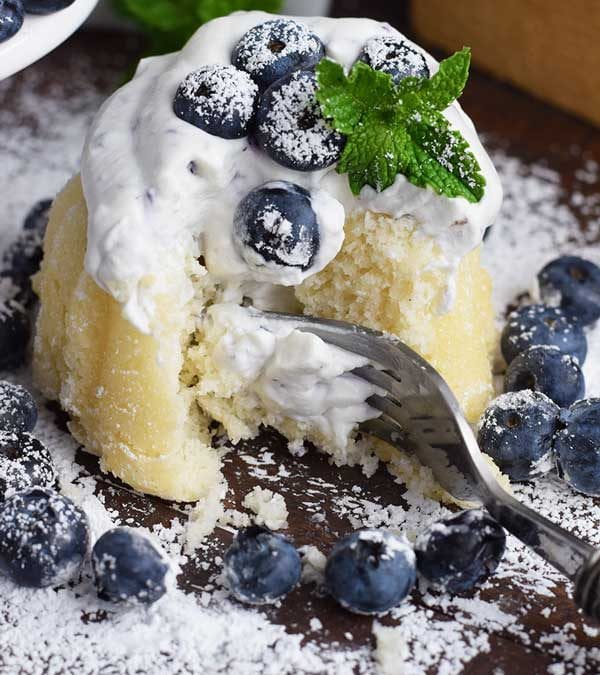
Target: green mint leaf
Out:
[394,129]
[170,23]
[347,99]
[441,89]
[210,9]
[444,161]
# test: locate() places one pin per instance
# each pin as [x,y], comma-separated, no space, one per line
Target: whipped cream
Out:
[294,374]
[161,191]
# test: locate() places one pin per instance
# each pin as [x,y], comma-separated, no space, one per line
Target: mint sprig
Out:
[170,23]
[399,128]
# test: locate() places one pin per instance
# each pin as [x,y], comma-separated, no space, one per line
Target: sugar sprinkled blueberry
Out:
[44,538]
[573,284]
[261,566]
[24,463]
[37,218]
[18,409]
[517,432]
[127,566]
[370,571]
[275,224]
[548,370]
[394,56]
[290,127]
[535,325]
[23,256]
[460,551]
[275,48]
[217,99]
[15,331]
[46,6]
[577,446]
[12,14]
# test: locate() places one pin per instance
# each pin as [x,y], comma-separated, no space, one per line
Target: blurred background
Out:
[547,47]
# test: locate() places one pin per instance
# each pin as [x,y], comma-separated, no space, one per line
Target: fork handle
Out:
[576,559]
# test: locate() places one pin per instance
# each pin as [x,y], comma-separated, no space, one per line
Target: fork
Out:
[419,414]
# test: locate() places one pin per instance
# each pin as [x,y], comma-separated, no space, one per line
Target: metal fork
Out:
[420,414]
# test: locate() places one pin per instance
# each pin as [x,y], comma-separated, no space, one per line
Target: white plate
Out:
[40,35]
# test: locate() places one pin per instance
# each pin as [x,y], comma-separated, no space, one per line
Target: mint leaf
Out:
[170,23]
[210,9]
[394,129]
[443,160]
[347,99]
[441,89]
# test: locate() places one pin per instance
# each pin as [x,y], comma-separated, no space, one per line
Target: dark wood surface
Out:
[510,120]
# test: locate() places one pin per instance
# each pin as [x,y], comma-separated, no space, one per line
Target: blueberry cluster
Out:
[18,263]
[12,13]
[542,421]
[44,536]
[369,571]
[268,92]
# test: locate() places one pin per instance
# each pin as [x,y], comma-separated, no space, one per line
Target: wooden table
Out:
[510,120]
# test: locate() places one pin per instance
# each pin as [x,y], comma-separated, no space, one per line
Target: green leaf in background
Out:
[170,23]
[396,129]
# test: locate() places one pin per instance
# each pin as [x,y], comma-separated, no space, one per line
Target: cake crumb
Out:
[391,651]
[315,624]
[268,506]
[234,518]
[204,516]
[313,565]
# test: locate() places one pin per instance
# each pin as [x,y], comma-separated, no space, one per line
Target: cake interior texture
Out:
[147,404]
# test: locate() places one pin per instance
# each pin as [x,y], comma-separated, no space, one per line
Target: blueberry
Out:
[23,257]
[275,48]
[577,446]
[128,566]
[44,538]
[460,551]
[573,284]
[46,6]
[535,325]
[261,566]
[290,127]
[18,410]
[12,14]
[275,225]
[395,57]
[517,431]
[370,571]
[37,218]
[548,370]
[220,100]
[15,332]
[24,463]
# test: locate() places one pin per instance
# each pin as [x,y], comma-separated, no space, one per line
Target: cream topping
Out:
[160,190]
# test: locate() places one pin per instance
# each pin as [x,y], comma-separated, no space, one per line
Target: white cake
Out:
[144,334]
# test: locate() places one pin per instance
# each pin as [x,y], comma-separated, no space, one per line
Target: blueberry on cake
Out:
[310,165]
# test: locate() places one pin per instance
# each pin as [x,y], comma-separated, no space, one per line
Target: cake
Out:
[152,332]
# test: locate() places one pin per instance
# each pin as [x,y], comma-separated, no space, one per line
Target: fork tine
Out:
[382,379]
[388,406]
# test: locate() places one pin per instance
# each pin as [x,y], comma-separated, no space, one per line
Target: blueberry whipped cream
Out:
[162,183]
